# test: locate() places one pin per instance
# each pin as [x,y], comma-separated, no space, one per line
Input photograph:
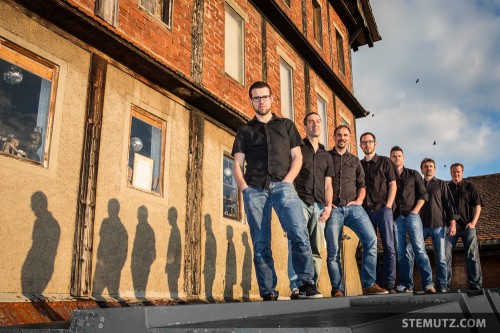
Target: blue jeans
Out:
[287,205]
[412,224]
[469,239]
[316,231]
[354,217]
[382,220]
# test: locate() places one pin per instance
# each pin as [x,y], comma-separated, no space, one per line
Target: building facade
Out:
[117,122]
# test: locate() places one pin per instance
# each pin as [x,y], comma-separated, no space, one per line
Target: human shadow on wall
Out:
[209,266]
[230,279]
[143,253]
[38,267]
[111,253]
[174,254]
[246,271]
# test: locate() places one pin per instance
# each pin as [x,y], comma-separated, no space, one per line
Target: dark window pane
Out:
[230,192]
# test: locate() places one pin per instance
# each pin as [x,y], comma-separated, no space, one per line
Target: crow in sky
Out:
[434,143]
[418,80]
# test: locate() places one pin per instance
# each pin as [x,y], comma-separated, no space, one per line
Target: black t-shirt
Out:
[267,149]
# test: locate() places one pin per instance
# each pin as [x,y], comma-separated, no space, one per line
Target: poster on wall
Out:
[143,172]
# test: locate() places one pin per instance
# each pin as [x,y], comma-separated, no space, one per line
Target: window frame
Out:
[317,22]
[323,119]
[290,112]
[340,52]
[158,11]
[225,154]
[232,10]
[44,68]
[153,120]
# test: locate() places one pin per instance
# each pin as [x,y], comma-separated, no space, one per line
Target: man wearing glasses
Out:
[380,180]
[270,146]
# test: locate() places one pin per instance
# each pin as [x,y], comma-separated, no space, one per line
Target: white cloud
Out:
[454,51]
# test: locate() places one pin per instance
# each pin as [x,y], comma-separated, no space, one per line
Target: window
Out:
[233,44]
[167,6]
[146,151]
[287,2]
[286,86]
[317,22]
[322,113]
[340,52]
[230,199]
[27,98]
[159,8]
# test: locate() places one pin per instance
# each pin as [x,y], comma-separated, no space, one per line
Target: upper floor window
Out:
[340,52]
[322,114]
[234,44]
[230,192]
[159,8]
[146,151]
[287,2]
[317,26]
[286,86]
[27,97]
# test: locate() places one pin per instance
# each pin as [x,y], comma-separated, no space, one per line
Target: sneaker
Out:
[430,290]
[272,296]
[337,293]
[390,288]
[308,290]
[294,294]
[475,288]
[403,289]
[442,290]
[374,290]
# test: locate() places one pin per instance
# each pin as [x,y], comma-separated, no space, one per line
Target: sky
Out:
[453,48]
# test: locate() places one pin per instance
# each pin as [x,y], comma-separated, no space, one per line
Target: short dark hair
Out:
[341,126]
[368,133]
[259,84]
[427,160]
[397,148]
[307,115]
[457,164]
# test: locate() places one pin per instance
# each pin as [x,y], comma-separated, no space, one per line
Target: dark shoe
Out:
[337,293]
[374,290]
[390,288]
[475,288]
[272,296]
[308,290]
[403,289]
[294,294]
[430,290]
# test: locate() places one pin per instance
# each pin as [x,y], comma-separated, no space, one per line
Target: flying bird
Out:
[434,143]
[373,114]
[418,80]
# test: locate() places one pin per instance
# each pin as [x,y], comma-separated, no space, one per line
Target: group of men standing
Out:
[315,192]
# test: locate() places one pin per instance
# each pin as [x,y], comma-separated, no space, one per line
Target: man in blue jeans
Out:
[380,180]
[349,192]
[314,187]
[271,148]
[437,214]
[410,197]
[468,205]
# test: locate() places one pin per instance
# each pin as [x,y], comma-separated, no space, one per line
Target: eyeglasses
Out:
[367,142]
[264,98]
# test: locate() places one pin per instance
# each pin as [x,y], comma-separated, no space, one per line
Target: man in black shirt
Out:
[468,205]
[380,180]
[271,148]
[410,197]
[349,192]
[314,187]
[437,214]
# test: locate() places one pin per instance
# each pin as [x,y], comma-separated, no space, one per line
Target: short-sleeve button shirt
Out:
[267,149]
[379,172]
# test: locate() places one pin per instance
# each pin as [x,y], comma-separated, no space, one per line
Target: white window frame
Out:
[323,115]
[286,89]
[238,39]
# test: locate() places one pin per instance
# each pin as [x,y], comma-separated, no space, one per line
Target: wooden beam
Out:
[197,41]
[81,272]
[194,175]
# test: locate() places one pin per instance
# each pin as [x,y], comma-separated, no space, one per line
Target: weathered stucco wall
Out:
[135,258]
[37,217]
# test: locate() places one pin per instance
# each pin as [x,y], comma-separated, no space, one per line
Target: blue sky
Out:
[453,48]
